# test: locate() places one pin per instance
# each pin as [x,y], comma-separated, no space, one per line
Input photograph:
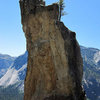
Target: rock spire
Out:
[55,66]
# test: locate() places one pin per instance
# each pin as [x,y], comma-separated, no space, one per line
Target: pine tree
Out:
[61,9]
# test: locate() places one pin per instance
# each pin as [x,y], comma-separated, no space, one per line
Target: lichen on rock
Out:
[55,66]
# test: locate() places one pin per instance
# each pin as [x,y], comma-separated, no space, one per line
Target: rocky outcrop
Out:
[55,66]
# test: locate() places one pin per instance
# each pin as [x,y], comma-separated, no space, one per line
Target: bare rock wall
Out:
[55,66]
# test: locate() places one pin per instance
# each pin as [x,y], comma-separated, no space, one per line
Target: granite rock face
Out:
[55,66]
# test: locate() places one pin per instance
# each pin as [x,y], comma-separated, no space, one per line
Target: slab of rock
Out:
[55,66]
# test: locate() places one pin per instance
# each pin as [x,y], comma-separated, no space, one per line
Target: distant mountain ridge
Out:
[91,55]
[15,75]
[91,77]
[5,62]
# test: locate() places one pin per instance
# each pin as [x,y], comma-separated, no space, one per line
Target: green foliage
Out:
[61,9]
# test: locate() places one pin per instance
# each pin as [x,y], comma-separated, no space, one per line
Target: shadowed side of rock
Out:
[55,66]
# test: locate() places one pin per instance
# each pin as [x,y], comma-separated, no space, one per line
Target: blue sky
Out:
[83,17]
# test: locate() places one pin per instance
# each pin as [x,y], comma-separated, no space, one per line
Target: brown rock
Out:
[55,66]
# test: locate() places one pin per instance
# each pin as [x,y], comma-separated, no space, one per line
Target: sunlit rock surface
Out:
[55,66]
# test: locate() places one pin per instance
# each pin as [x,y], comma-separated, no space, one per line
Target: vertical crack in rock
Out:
[55,66]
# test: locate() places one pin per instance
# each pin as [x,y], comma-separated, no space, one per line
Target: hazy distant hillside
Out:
[10,93]
[91,78]
[15,74]
[12,83]
[5,62]
[91,55]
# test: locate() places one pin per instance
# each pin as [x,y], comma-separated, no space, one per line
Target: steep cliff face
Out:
[55,68]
